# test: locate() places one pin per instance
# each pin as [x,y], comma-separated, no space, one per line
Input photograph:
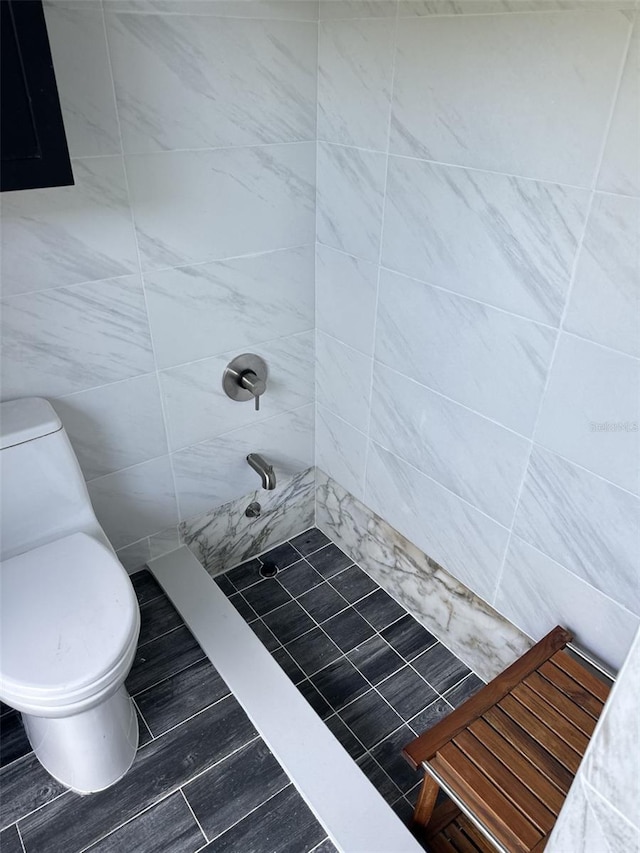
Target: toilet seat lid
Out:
[68,614]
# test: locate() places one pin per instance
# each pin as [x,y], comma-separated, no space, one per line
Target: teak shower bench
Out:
[506,757]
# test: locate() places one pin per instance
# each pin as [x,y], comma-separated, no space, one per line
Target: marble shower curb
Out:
[224,537]
[467,625]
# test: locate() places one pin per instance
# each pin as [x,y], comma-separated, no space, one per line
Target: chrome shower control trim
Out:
[245,377]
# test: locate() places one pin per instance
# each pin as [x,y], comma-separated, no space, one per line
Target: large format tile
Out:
[193,206]
[350,189]
[463,540]
[216,471]
[609,765]
[351,284]
[10,841]
[303,10]
[197,407]
[605,298]
[157,618]
[485,359]
[563,67]
[192,81]
[503,240]
[597,622]
[343,380]
[26,786]
[114,426]
[473,457]
[584,523]
[68,235]
[620,169]
[341,451]
[284,823]
[74,338]
[162,658]
[229,791]
[168,826]
[591,411]
[83,76]
[354,82]
[136,501]
[156,771]
[181,696]
[336,9]
[14,743]
[195,312]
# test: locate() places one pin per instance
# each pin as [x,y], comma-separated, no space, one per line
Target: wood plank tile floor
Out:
[202,779]
[374,674]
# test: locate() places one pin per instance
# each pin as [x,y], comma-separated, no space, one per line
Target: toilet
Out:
[69,618]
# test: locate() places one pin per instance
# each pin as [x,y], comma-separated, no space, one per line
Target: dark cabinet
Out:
[33,145]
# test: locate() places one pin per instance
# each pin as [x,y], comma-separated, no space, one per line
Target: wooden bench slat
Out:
[520,765]
[557,699]
[568,757]
[505,781]
[551,718]
[525,743]
[460,840]
[425,747]
[441,844]
[582,675]
[491,807]
[472,831]
[443,814]
[576,692]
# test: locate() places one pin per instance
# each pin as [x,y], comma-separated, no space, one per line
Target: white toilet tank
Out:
[42,491]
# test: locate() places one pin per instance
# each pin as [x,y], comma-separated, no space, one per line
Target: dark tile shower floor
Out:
[371,671]
[202,779]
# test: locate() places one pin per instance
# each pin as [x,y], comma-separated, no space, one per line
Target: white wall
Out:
[478,217]
[187,239]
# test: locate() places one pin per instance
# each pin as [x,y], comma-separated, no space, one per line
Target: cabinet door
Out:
[33,145]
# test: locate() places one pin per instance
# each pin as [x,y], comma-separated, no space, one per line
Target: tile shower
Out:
[443,280]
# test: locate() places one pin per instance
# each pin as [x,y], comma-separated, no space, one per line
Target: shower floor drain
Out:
[268,569]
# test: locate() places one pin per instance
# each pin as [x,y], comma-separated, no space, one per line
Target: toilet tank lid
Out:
[26,419]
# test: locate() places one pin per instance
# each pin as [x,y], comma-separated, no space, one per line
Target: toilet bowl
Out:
[69,618]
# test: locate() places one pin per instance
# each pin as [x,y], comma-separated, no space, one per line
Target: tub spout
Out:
[266,472]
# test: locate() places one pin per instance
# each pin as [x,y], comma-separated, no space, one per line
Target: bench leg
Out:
[426,802]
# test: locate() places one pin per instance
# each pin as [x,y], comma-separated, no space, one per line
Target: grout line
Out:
[255,809]
[344,655]
[577,577]
[20,838]
[163,634]
[165,421]
[144,722]
[567,302]
[363,482]
[166,678]
[448,165]
[193,814]
[65,793]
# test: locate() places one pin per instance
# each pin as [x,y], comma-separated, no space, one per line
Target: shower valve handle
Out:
[254,384]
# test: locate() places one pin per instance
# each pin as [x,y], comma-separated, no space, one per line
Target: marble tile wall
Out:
[186,239]
[602,807]
[478,295]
